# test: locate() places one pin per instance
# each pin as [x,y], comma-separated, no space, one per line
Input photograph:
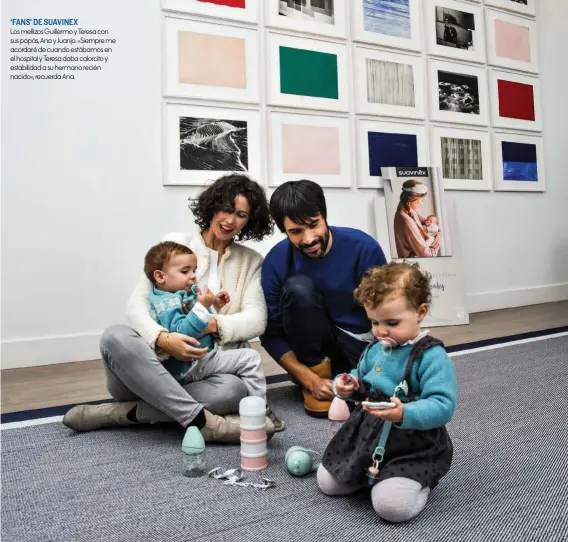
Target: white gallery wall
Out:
[83,200]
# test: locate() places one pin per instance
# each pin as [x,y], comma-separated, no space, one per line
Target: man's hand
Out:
[221,299]
[321,389]
[180,346]
[394,415]
[205,297]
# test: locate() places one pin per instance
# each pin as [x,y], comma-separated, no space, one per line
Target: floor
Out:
[68,383]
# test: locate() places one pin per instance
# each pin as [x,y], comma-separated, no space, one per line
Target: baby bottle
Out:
[193,450]
[338,413]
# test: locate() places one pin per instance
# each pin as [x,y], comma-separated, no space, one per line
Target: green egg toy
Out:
[299,462]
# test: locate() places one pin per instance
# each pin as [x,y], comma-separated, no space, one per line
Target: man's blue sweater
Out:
[336,276]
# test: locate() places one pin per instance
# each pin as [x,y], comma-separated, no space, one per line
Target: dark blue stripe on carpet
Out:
[275,379]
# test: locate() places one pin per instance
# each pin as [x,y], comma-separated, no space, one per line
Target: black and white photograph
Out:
[524,2]
[213,144]
[455,28]
[390,83]
[458,93]
[319,11]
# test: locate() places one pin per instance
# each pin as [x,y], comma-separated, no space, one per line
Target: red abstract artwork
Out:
[229,3]
[516,100]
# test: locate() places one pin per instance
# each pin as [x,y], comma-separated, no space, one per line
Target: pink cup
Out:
[254,463]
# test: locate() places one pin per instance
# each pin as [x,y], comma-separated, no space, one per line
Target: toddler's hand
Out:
[346,384]
[221,299]
[393,415]
[205,297]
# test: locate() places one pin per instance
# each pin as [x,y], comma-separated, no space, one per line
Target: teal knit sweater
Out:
[432,380]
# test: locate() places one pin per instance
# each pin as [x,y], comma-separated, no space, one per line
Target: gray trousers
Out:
[133,373]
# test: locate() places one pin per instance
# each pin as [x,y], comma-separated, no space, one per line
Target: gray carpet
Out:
[509,479]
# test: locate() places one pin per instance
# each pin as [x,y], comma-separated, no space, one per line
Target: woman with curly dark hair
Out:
[233,208]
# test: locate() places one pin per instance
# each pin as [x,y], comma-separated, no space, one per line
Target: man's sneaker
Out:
[279,425]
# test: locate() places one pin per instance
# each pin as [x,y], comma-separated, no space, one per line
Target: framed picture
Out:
[326,17]
[307,73]
[211,61]
[515,101]
[389,84]
[382,144]
[310,147]
[455,30]
[204,143]
[526,7]
[464,157]
[389,23]
[235,10]
[518,163]
[511,41]
[458,93]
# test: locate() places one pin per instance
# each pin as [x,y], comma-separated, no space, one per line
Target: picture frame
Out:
[518,162]
[511,41]
[291,64]
[230,70]
[389,84]
[402,142]
[455,29]
[316,147]
[191,158]
[246,11]
[515,101]
[307,18]
[458,93]
[528,8]
[463,157]
[375,22]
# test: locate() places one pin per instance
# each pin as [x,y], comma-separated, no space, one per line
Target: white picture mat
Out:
[364,178]
[275,97]
[518,186]
[436,114]
[438,132]
[277,176]
[364,106]
[505,122]
[449,307]
[478,52]
[173,175]
[359,34]
[298,24]
[492,58]
[174,25]
[249,14]
[529,9]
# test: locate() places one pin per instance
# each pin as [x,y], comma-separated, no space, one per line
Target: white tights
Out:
[394,499]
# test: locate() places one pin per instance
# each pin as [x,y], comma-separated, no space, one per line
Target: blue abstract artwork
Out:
[387,17]
[391,150]
[519,162]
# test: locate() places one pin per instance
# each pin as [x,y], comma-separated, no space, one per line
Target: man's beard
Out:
[323,242]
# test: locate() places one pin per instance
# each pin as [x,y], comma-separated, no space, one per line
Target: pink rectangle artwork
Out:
[512,41]
[217,61]
[310,149]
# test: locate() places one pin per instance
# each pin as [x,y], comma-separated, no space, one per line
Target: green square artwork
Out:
[308,73]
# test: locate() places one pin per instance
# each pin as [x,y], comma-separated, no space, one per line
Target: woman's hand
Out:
[180,346]
[393,415]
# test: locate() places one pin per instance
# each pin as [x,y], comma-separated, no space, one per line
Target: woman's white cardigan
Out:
[241,320]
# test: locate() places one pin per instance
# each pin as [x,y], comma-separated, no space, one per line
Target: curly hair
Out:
[159,255]
[395,279]
[220,196]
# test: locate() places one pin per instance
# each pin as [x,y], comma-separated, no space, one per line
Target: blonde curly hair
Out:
[394,280]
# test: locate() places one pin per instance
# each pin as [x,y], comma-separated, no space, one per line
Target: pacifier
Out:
[299,462]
